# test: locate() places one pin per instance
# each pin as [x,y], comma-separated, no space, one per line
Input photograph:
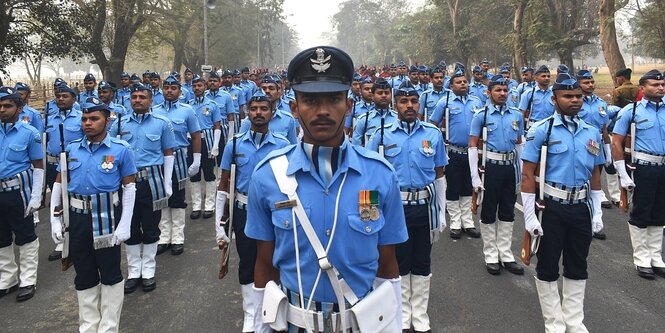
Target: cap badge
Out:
[321,63]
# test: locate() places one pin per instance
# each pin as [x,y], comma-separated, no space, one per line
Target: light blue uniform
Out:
[289,95]
[595,112]
[157,97]
[87,175]
[354,251]
[541,104]
[478,89]
[649,126]
[83,96]
[504,126]
[123,96]
[52,108]
[183,119]
[21,144]
[248,155]
[428,100]
[117,109]
[224,101]
[237,96]
[186,93]
[460,112]
[423,87]
[32,117]
[249,87]
[359,108]
[569,159]
[206,111]
[282,123]
[524,86]
[148,136]
[72,130]
[414,164]
[370,122]
[396,81]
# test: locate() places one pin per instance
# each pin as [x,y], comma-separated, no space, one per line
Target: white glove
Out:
[608,154]
[440,187]
[531,223]
[56,221]
[232,130]
[217,135]
[196,164]
[168,175]
[123,230]
[35,192]
[624,179]
[220,233]
[257,300]
[476,183]
[597,212]
[397,289]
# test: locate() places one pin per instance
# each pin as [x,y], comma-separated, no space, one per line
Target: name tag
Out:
[391,146]
[285,204]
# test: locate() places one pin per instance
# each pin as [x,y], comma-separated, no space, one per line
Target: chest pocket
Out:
[17,153]
[392,152]
[645,129]
[241,160]
[365,236]
[153,143]
[426,157]
[179,125]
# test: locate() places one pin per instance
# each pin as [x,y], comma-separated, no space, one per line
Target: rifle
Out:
[44,159]
[226,249]
[425,108]
[119,135]
[628,148]
[477,196]
[64,175]
[446,118]
[381,147]
[527,113]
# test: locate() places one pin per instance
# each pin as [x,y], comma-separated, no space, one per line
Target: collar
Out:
[199,99]
[139,118]
[645,103]
[8,127]
[494,109]
[462,99]
[549,88]
[247,136]
[168,105]
[408,128]
[299,160]
[86,144]
[558,121]
[590,99]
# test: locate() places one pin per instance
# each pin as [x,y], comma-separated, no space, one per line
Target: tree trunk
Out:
[519,39]
[566,58]
[608,37]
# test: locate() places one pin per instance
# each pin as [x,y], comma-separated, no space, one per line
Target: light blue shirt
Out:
[207,112]
[595,112]
[157,97]
[183,119]
[649,126]
[21,144]
[249,87]
[541,103]
[248,155]
[224,101]
[369,122]
[359,108]
[428,100]
[504,126]
[570,162]
[237,96]
[354,251]
[460,111]
[32,117]
[282,123]
[148,136]
[408,153]
[72,130]
[478,89]
[90,171]
[83,96]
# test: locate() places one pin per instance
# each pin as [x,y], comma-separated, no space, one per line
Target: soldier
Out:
[245,150]
[122,95]
[477,87]
[335,200]
[571,200]
[151,140]
[430,97]
[210,120]
[282,121]
[485,66]
[89,83]
[99,217]
[237,96]
[536,104]
[288,94]
[248,85]
[527,81]
[70,117]
[424,78]
[19,197]
[506,73]
[145,78]
[457,108]
[184,121]
[624,92]
[224,103]
[157,93]
[28,114]
[106,90]
[417,152]
[364,105]
[377,118]
[187,84]
[134,79]
[595,113]
[396,77]
[354,93]
[501,152]
[647,215]
[413,76]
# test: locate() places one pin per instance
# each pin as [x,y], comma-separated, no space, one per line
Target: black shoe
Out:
[493,268]
[195,215]
[25,293]
[660,271]
[645,272]
[406,331]
[176,249]
[599,235]
[207,214]
[131,285]
[455,233]
[149,284]
[428,331]
[55,255]
[616,203]
[606,204]
[472,232]
[513,267]
[161,248]
[5,292]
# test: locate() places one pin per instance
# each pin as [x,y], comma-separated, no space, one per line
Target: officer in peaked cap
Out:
[370,216]
[625,92]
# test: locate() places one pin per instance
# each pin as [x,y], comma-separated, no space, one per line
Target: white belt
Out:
[500,156]
[564,194]
[413,196]
[531,123]
[241,198]
[84,204]
[52,159]
[315,319]
[10,183]
[649,158]
[459,150]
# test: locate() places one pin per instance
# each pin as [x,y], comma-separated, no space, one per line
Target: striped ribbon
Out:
[208,136]
[103,218]
[155,178]
[180,167]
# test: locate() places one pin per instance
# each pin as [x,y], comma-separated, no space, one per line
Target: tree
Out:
[649,27]
[608,35]
[519,38]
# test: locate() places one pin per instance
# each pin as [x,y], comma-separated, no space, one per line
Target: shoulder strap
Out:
[632,117]
[528,107]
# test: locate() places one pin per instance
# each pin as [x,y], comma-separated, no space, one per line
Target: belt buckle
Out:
[324,264]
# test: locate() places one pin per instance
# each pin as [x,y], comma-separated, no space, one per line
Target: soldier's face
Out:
[106,95]
[407,107]
[587,85]
[423,77]
[199,88]
[506,76]
[413,76]
[322,116]
[252,77]
[154,82]
[24,95]
[171,92]
[459,86]
[568,102]
[94,123]
[226,81]
[124,82]
[236,80]
[188,77]
[401,70]
[64,100]
[653,89]
[527,77]
[355,87]
[213,83]
[498,94]
[259,114]
[244,75]
[89,85]
[8,111]
[382,98]
[146,79]
[479,76]
[543,79]
[485,67]
[437,80]
[393,71]
[271,90]
[141,101]
[366,91]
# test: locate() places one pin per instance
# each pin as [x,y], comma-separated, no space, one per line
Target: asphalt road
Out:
[464,297]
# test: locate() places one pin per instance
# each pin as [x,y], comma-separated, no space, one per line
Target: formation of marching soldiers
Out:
[325,150]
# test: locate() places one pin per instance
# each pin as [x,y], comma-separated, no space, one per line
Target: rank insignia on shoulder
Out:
[285,204]
[593,147]
[107,162]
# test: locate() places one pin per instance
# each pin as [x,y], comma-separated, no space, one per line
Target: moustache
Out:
[323,121]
